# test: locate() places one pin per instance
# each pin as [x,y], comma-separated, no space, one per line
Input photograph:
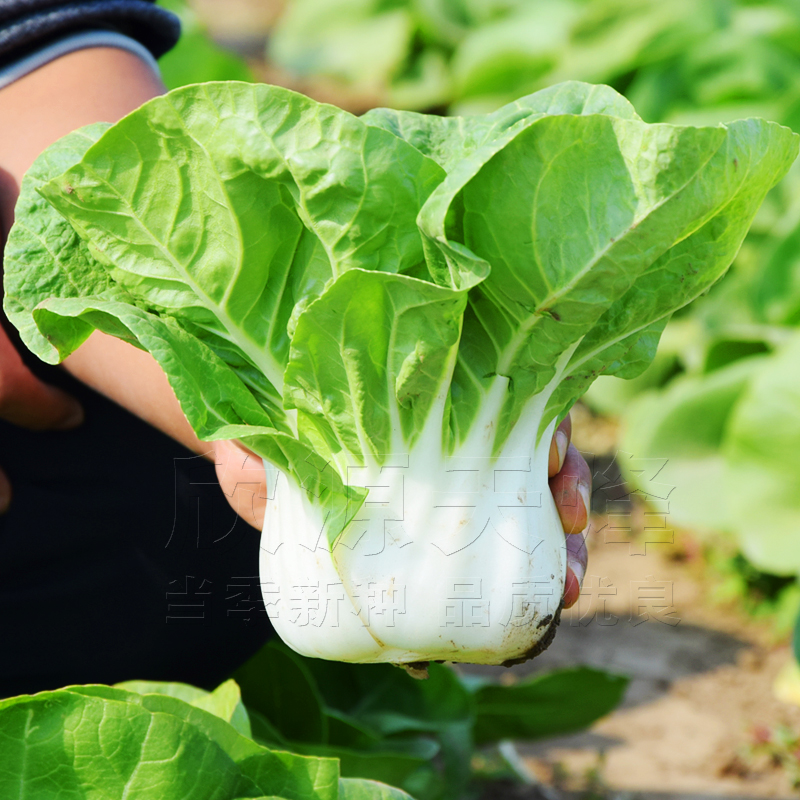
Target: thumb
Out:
[29,402]
[241,477]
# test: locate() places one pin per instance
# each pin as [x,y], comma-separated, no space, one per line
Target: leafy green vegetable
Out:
[398,301]
[55,744]
[106,742]
[545,705]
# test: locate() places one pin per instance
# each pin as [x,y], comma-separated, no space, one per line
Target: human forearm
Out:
[93,85]
[99,84]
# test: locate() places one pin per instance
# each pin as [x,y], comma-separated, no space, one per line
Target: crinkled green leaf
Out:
[287,186]
[361,371]
[594,254]
[120,743]
[731,186]
[51,249]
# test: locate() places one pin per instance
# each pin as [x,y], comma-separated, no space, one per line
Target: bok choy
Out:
[394,311]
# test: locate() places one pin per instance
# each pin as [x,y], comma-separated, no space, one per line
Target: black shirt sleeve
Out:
[26,25]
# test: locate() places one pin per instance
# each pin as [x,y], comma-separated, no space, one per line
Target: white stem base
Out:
[457,561]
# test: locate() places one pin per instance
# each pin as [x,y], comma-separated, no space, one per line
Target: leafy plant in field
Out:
[311,731]
[730,58]
[155,742]
[728,433]
[762,595]
[400,301]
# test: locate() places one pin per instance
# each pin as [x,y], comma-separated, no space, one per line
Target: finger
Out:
[5,492]
[558,446]
[241,477]
[572,491]
[27,401]
[577,557]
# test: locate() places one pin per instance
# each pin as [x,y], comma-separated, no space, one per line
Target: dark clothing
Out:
[26,25]
[120,557]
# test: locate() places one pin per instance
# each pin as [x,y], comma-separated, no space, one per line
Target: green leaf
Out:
[723,191]
[389,701]
[244,161]
[147,746]
[356,789]
[451,140]
[359,369]
[225,701]
[51,249]
[592,274]
[673,444]
[277,683]
[763,461]
[546,705]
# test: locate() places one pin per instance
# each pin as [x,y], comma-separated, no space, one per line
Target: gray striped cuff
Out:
[70,44]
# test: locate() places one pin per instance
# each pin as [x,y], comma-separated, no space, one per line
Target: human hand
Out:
[30,403]
[241,477]
[571,487]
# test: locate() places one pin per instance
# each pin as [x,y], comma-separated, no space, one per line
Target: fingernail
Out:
[586,496]
[562,443]
[572,591]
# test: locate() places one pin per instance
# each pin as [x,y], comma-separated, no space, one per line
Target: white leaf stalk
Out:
[452,558]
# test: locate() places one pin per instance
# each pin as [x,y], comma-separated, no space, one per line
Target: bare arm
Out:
[99,84]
